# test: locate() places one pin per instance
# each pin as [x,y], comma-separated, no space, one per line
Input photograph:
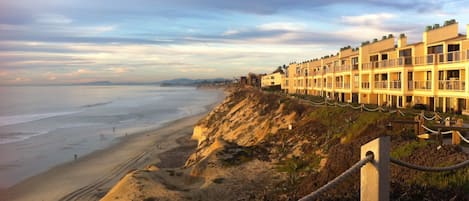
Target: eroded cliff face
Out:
[263,146]
[245,119]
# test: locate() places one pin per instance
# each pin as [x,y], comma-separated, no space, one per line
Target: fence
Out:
[374,170]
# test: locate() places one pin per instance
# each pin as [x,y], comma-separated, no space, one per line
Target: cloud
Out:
[53,19]
[368,19]
[230,32]
[118,70]
[285,26]
[196,70]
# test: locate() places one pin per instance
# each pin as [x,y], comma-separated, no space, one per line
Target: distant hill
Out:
[173,82]
[190,82]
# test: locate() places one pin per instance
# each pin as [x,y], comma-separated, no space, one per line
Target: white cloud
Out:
[286,26]
[367,19]
[230,32]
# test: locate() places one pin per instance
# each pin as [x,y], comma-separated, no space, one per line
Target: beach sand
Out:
[90,177]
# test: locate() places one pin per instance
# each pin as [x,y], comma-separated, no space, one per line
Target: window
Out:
[384,57]
[452,74]
[355,63]
[407,54]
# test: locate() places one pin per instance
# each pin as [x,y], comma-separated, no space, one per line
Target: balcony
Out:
[404,61]
[329,85]
[381,84]
[395,85]
[387,63]
[451,85]
[366,66]
[356,85]
[365,85]
[423,85]
[343,68]
[410,85]
[346,85]
[339,85]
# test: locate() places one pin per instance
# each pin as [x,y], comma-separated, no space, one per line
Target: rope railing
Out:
[430,169]
[434,131]
[314,195]
[462,137]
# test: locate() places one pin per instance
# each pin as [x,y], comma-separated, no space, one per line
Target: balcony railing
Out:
[410,85]
[339,85]
[423,85]
[451,85]
[366,66]
[356,85]
[397,84]
[381,84]
[329,85]
[346,85]
[404,61]
[365,85]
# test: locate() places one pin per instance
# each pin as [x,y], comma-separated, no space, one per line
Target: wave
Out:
[96,104]
[17,137]
[17,119]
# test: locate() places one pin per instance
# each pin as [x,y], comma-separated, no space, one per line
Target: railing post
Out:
[374,176]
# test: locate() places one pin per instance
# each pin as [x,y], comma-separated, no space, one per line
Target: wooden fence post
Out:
[374,176]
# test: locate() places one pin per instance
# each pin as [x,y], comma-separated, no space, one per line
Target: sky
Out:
[77,41]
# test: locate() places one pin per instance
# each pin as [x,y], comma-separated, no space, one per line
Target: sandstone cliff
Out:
[264,146]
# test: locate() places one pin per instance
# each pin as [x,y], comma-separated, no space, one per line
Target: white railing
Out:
[395,84]
[423,85]
[410,85]
[452,85]
[365,85]
[381,84]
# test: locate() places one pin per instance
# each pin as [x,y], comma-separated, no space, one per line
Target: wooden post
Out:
[417,126]
[374,176]
[455,138]
[439,137]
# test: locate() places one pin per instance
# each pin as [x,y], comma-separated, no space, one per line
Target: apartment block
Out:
[273,80]
[392,72]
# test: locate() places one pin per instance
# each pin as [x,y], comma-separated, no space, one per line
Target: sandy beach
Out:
[91,176]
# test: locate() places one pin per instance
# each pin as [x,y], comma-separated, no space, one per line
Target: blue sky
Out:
[57,41]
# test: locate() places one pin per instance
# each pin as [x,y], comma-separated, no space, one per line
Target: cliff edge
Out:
[265,146]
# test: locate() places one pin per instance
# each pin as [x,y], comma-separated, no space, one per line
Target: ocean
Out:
[44,126]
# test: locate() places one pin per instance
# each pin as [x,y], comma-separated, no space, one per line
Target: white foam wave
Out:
[17,119]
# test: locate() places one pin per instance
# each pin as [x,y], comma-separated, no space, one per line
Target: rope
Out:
[428,129]
[314,195]
[402,113]
[321,103]
[435,132]
[371,110]
[463,138]
[428,119]
[429,169]
[356,108]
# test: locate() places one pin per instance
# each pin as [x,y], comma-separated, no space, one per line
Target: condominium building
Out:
[273,80]
[433,72]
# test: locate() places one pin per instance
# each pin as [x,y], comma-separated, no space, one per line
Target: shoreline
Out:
[98,171]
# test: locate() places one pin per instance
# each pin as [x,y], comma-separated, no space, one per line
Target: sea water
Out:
[43,126]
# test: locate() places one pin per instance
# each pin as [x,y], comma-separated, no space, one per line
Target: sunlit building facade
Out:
[392,72]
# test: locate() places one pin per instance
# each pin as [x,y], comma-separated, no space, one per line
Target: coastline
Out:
[92,175]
